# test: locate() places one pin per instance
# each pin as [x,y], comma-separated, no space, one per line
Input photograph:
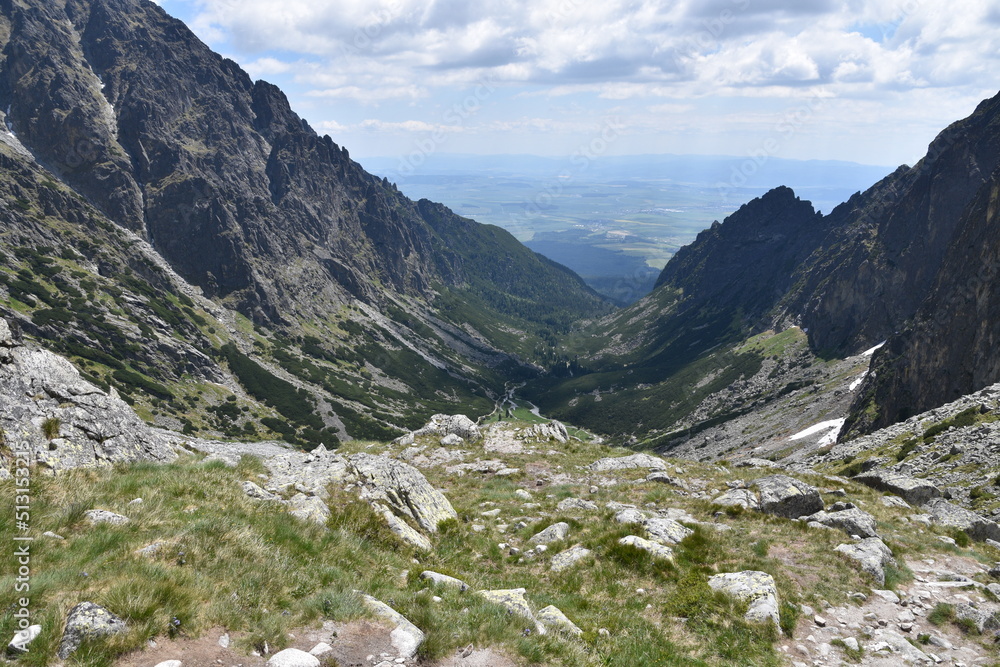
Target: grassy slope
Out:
[208,574]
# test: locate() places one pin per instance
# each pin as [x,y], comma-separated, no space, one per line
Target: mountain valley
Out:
[255,389]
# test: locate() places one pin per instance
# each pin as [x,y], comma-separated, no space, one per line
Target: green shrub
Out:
[50,427]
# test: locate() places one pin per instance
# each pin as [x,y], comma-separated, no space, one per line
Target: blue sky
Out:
[870,81]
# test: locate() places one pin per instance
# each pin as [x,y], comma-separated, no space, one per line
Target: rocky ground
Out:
[589,547]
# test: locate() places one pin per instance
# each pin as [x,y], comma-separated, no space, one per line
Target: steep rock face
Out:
[747,262]
[873,274]
[64,421]
[216,171]
[952,346]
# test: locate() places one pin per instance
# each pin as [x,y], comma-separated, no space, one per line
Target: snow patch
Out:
[833,427]
[858,381]
[868,353]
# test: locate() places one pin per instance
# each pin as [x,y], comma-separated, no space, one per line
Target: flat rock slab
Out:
[631,462]
[665,531]
[912,490]
[872,555]
[88,621]
[757,588]
[104,516]
[786,496]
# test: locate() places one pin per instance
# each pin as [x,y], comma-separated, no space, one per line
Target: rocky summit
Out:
[257,407]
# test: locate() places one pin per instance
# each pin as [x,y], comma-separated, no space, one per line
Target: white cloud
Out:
[672,66]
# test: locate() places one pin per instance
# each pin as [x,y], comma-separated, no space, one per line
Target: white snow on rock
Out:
[868,353]
[858,381]
[833,427]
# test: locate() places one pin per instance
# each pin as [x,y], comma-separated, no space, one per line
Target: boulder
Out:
[87,621]
[785,496]
[571,504]
[254,492]
[308,508]
[406,638]
[554,533]
[104,516]
[293,657]
[757,588]
[982,619]
[629,515]
[912,490]
[443,425]
[943,513]
[852,521]
[665,531]
[664,478]
[654,549]
[872,555]
[451,440]
[744,498]
[513,600]
[403,489]
[568,558]
[552,617]
[552,431]
[632,462]
[444,580]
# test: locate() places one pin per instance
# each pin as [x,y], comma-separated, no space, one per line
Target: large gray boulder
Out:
[757,588]
[552,431]
[872,555]
[912,490]
[943,513]
[402,488]
[443,425]
[553,617]
[568,558]
[86,426]
[852,521]
[665,531]
[87,621]
[652,548]
[631,462]
[786,496]
[554,533]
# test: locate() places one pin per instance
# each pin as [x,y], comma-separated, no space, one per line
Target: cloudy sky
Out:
[870,81]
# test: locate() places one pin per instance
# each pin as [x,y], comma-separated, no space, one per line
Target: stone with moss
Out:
[553,617]
[756,588]
[88,621]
